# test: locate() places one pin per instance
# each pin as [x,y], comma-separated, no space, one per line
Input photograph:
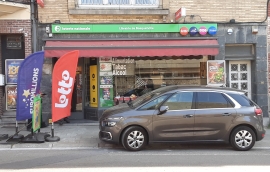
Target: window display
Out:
[137,76]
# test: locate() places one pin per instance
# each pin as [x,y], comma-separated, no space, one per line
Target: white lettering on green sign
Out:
[136,28]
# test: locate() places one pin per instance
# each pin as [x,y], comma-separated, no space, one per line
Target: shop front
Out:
[120,62]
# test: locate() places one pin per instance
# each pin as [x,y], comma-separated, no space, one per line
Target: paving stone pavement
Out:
[72,136]
[83,135]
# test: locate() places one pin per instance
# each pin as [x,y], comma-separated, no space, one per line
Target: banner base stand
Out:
[30,138]
[41,136]
[52,139]
[18,136]
[3,136]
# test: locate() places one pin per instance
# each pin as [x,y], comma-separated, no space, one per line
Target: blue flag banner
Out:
[28,85]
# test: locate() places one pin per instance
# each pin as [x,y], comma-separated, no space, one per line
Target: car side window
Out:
[207,100]
[242,100]
[180,101]
[154,103]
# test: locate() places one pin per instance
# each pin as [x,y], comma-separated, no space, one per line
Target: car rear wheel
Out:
[242,138]
[134,138]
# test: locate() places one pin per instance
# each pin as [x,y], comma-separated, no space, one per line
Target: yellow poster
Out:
[93,86]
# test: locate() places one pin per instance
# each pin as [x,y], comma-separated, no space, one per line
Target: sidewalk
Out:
[72,136]
[80,135]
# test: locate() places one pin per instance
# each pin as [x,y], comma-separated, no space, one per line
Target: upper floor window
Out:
[117,3]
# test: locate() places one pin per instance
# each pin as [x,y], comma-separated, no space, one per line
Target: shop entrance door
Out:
[240,75]
[76,103]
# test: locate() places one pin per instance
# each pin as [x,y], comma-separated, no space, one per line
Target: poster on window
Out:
[216,75]
[12,69]
[106,95]
[11,97]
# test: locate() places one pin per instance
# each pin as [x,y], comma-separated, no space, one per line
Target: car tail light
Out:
[258,111]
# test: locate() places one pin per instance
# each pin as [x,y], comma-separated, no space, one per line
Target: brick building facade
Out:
[241,36]
[14,22]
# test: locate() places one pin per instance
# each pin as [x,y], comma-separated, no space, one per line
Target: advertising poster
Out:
[93,86]
[12,70]
[216,72]
[106,90]
[106,95]
[36,116]
[11,97]
[105,68]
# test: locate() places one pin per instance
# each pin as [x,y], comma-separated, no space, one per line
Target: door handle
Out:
[226,114]
[188,116]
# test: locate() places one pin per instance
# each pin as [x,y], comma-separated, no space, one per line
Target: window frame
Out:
[105,5]
[222,93]
[160,104]
[193,100]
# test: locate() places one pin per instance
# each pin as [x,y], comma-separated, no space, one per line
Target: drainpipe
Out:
[34,26]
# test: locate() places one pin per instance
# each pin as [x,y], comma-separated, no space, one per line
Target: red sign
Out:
[63,78]
[178,14]
[40,3]
[183,31]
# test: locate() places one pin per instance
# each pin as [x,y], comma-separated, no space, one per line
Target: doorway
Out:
[77,95]
[240,75]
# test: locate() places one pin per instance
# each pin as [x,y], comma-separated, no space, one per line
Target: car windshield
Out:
[146,97]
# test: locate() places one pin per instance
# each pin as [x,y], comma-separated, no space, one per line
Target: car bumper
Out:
[260,135]
[109,134]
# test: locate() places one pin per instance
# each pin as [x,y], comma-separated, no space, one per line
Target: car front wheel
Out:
[242,138]
[134,138]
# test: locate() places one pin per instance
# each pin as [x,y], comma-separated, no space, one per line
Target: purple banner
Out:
[28,85]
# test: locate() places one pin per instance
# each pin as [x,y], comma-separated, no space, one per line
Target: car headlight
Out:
[111,121]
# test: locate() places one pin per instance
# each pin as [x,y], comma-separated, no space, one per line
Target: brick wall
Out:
[12,27]
[207,10]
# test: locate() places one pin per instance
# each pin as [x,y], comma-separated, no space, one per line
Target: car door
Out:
[177,123]
[213,116]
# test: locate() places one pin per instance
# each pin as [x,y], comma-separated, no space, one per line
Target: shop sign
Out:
[12,69]
[40,3]
[203,30]
[128,60]
[193,31]
[180,13]
[216,72]
[184,31]
[119,69]
[212,30]
[126,28]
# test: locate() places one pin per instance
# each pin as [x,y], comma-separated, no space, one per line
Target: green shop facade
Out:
[119,61]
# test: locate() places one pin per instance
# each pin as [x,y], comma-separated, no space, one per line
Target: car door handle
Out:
[226,114]
[188,116]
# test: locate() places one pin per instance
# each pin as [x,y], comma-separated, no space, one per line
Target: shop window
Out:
[135,77]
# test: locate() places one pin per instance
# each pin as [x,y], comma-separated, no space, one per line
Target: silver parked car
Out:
[184,113]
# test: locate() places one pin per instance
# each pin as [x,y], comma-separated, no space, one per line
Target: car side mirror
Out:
[163,109]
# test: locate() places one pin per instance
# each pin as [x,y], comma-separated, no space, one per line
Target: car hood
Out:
[116,110]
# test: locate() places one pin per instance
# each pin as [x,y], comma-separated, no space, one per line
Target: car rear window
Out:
[242,100]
